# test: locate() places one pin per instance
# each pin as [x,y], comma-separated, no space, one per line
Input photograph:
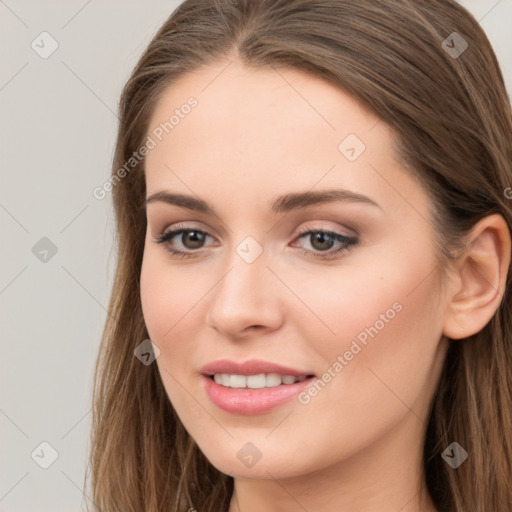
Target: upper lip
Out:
[250,367]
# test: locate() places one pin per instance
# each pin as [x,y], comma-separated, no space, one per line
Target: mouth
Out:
[253,400]
[252,387]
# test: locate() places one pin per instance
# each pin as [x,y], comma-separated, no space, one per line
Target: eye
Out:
[322,241]
[191,239]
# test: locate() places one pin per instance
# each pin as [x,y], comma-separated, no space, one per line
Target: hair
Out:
[452,118]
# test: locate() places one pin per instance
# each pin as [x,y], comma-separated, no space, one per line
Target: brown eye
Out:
[192,239]
[321,241]
[187,240]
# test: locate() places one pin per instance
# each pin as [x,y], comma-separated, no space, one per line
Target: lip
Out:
[251,401]
[250,367]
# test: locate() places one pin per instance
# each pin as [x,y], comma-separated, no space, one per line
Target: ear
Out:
[479,279]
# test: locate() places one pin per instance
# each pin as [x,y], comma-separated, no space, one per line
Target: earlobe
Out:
[480,278]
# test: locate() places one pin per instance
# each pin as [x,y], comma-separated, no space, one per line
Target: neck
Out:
[386,476]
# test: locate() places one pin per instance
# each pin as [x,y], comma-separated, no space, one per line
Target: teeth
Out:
[256,381]
[237,381]
[272,380]
[262,380]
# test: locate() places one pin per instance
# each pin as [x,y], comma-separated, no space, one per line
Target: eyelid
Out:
[183,226]
[302,230]
[307,229]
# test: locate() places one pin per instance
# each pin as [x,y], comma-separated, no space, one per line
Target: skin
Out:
[254,135]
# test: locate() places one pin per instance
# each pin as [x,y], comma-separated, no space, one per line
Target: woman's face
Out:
[258,297]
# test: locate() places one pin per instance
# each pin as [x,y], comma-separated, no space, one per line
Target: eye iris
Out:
[196,238]
[321,237]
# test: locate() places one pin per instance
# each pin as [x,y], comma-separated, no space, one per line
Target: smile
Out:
[246,400]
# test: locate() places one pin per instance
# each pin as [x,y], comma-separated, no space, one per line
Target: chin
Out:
[246,462]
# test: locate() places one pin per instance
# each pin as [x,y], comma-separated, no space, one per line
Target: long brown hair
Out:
[449,107]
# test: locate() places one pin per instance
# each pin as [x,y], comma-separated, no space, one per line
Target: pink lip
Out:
[251,367]
[251,401]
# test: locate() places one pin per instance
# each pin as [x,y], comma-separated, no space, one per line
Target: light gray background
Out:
[58,132]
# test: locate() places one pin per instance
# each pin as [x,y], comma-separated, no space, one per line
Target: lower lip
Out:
[252,401]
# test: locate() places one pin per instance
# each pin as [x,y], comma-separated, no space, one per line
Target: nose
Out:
[246,299]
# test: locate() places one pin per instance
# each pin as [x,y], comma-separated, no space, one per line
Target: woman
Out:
[312,308]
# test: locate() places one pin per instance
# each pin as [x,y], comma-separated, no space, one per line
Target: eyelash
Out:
[348,242]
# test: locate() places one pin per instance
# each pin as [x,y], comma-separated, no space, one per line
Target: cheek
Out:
[169,302]
[167,295]
[380,333]
[387,289]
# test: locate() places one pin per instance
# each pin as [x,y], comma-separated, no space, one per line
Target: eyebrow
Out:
[281,204]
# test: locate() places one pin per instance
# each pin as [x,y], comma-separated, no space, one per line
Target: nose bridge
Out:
[245,295]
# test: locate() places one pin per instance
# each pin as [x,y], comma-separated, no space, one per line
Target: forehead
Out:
[260,104]
[259,131]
